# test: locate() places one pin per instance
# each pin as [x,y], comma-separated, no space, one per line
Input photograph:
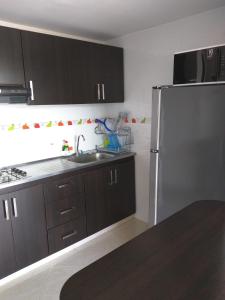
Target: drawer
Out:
[63,188]
[64,210]
[64,200]
[65,235]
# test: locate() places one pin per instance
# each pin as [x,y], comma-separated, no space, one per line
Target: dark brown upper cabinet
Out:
[106,73]
[45,73]
[11,59]
[67,71]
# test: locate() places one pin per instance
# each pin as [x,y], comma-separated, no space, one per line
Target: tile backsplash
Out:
[29,133]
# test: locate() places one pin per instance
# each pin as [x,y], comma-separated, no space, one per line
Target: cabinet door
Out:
[78,66]
[29,225]
[96,204]
[107,70]
[45,65]
[7,255]
[11,59]
[121,191]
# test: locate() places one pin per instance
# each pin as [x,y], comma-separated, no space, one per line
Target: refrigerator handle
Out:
[154,155]
[155,151]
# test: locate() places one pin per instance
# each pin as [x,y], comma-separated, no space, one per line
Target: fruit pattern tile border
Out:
[64,123]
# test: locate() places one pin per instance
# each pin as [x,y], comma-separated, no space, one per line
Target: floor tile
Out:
[45,283]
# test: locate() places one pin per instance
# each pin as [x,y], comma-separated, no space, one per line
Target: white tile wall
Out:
[21,146]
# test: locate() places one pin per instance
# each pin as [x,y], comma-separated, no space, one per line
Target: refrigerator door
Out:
[191,163]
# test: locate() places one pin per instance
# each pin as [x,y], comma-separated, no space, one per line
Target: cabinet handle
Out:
[62,186]
[14,205]
[99,92]
[67,236]
[31,90]
[116,177]
[103,91]
[66,211]
[111,177]
[6,209]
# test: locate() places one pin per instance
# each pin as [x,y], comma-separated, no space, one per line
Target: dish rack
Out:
[114,141]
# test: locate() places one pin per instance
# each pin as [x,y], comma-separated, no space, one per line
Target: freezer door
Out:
[191,163]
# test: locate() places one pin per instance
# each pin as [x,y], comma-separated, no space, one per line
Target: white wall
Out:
[149,62]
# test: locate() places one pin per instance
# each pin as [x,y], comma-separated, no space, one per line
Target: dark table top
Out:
[181,258]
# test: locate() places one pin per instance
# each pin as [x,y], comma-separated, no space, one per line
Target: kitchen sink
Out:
[90,157]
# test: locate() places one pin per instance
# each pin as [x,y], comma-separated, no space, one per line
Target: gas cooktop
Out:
[11,174]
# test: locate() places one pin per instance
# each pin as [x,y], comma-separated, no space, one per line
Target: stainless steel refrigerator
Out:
[187,161]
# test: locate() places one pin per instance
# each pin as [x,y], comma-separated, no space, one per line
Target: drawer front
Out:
[64,200]
[66,235]
[62,210]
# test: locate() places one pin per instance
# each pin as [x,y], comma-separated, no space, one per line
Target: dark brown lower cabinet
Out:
[109,194]
[96,204]
[43,219]
[22,229]
[67,234]
[7,254]
[120,193]
[29,225]
[64,200]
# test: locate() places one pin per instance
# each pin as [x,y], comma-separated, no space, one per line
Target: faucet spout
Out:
[78,143]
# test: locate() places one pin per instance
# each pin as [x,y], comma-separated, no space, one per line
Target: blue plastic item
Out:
[114,143]
[103,123]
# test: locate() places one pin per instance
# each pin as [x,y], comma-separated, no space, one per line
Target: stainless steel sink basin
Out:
[90,157]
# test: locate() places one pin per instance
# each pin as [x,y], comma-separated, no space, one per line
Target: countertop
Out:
[181,258]
[54,166]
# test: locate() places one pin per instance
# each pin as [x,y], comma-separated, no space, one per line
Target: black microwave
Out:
[205,65]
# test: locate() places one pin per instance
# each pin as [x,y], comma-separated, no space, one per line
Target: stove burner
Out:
[11,174]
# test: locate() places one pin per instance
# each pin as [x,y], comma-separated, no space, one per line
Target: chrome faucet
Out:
[78,143]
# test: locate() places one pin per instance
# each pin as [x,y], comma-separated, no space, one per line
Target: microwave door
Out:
[200,67]
[210,64]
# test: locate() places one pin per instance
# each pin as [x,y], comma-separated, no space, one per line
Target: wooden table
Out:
[181,258]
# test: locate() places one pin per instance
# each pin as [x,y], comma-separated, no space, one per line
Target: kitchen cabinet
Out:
[96,204]
[109,194]
[23,229]
[120,192]
[29,225]
[11,59]
[42,219]
[64,200]
[45,68]
[106,73]
[65,211]
[68,71]
[7,254]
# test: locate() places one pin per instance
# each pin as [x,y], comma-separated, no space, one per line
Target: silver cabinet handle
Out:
[116,176]
[6,209]
[111,177]
[31,90]
[62,186]
[103,91]
[14,204]
[66,211]
[99,92]
[69,235]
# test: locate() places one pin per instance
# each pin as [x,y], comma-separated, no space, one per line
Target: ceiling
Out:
[100,19]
